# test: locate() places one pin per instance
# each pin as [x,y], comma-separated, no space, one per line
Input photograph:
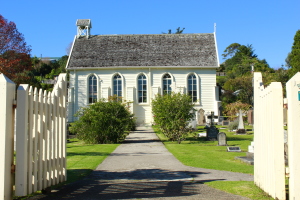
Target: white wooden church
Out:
[137,67]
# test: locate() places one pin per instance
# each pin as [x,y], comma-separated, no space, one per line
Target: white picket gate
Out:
[269,168]
[293,98]
[40,137]
[269,164]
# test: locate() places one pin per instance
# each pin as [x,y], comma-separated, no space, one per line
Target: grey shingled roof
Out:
[144,50]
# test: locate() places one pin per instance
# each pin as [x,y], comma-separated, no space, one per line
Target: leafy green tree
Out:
[172,113]
[103,122]
[237,84]
[240,58]
[293,58]
[63,63]
[242,88]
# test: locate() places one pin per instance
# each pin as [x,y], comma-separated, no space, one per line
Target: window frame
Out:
[94,99]
[121,85]
[197,79]
[170,85]
[138,86]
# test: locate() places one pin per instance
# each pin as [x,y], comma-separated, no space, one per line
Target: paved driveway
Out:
[142,168]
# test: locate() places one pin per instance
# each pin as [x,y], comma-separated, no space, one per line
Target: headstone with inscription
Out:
[201,117]
[222,139]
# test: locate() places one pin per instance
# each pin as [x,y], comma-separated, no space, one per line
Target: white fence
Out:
[40,137]
[269,168]
[293,97]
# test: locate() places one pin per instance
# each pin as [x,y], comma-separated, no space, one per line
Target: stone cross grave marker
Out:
[222,139]
[241,128]
[212,131]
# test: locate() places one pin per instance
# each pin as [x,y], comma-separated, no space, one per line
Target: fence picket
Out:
[45,141]
[40,140]
[30,141]
[35,139]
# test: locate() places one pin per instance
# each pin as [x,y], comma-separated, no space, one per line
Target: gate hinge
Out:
[13,168]
[15,103]
[287,172]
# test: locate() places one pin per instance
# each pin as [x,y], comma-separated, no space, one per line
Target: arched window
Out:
[142,89]
[92,89]
[117,85]
[167,81]
[192,87]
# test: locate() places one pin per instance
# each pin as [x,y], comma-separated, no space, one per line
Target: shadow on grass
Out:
[233,138]
[133,140]
[87,154]
[136,184]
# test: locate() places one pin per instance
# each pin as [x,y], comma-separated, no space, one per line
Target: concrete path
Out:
[142,168]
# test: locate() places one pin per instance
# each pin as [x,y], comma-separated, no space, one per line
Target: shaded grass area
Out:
[242,188]
[83,158]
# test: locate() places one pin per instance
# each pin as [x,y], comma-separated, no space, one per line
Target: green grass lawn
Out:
[197,152]
[242,188]
[83,158]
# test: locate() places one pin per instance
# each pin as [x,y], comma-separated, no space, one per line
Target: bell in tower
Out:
[83,27]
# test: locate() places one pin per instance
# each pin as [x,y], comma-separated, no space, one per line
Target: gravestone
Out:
[241,128]
[201,117]
[222,139]
[225,122]
[250,117]
[193,122]
[234,149]
[212,118]
[212,131]
[201,134]
[221,111]
[285,116]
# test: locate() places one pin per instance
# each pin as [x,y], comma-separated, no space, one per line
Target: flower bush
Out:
[103,122]
[172,113]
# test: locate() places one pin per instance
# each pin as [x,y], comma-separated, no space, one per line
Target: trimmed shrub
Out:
[103,122]
[233,125]
[172,113]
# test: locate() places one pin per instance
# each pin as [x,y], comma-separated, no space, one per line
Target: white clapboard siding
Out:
[292,90]
[40,137]
[269,168]
[79,81]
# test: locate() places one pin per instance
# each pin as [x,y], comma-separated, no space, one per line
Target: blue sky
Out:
[269,25]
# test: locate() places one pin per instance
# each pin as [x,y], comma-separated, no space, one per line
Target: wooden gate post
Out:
[7,91]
